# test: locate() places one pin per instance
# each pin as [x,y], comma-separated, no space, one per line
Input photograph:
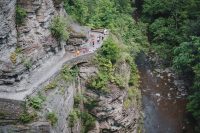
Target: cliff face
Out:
[110,109]
[31,61]
[31,45]
[33,37]
[8,35]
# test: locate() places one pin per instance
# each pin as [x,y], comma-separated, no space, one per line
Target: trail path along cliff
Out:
[51,67]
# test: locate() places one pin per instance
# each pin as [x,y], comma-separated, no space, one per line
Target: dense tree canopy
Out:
[112,14]
[174,31]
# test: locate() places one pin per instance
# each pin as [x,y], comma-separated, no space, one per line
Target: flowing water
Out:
[163,100]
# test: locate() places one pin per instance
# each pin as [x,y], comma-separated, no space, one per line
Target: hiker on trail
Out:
[104,32]
[98,39]
[78,53]
[102,37]
[93,42]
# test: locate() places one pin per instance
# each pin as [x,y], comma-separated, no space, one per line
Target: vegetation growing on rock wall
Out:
[111,16]
[20,15]
[36,101]
[51,85]
[87,120]
[116,16]
[73,117]
[77,99]
[52,117]
[13,57]
[68,74]
[27,117]
[59,28]
[27,63]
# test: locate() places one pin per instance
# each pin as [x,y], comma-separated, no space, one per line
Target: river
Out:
[163,100]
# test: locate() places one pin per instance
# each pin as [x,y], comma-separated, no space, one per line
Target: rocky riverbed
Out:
[163,98]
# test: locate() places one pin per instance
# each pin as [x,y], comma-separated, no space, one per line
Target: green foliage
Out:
[119,81]
[194,105]
[170,23]
[88,121]
[52,117]
[27,63]
[36,101]
[174,33]
[51,85]
[59,28]
[77,99]
[18,50]
[27,117]
[90,103]
[20,15]
[127,103]
[194,97]
[187,55]
[134,77]
[99,82]
[69,74]
[110,51]
[116,15]
[134,97]
[73,117]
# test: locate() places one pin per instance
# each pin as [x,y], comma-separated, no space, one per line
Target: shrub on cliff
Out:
[20,15]
[110,50]
[52,117]
[59,28]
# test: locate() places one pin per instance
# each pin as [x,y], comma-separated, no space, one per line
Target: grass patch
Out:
[20,15]
[36,101]
[51,85]
[27,63]
[73,117]
[127,103]
[88,121]
[68,74]
[77,99]
[27,117]
[133,98]
[119,81]
[52,117]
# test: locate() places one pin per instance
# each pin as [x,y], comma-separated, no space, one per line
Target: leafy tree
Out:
[110,51]
[187,55]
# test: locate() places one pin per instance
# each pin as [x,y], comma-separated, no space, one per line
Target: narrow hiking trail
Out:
[163,100]
[52,67]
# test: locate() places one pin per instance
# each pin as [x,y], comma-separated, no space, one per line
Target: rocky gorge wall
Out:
[33,37]
[28,112]
[111,111]
[31,43]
